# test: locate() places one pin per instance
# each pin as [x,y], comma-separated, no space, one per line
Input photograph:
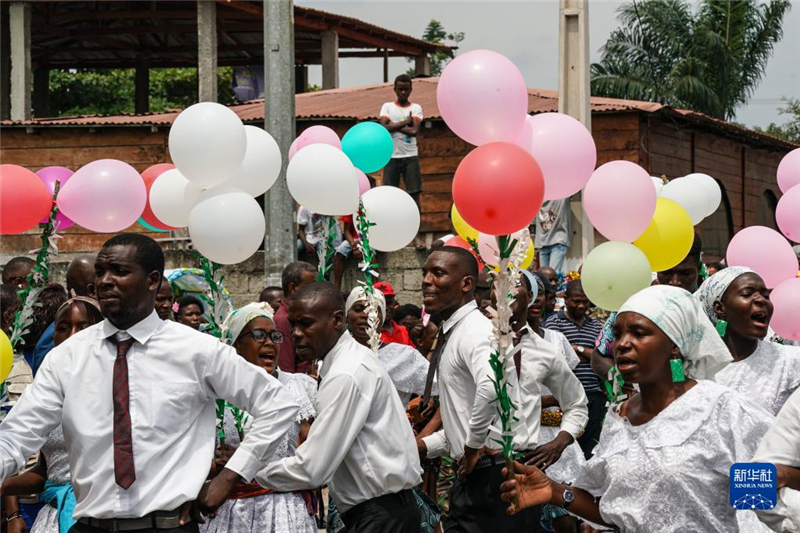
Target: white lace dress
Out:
[671,475]
[407,368]
[55,455]
[569,464]
[768,377]
[270,513]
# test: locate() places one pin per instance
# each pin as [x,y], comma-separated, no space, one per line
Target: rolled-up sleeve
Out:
[570,395]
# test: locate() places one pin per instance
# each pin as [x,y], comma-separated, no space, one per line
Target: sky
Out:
[527,33]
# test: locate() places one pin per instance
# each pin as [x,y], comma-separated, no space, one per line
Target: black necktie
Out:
[441,340]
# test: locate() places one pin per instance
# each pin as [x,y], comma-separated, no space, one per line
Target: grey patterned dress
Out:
[55,455]
[278,512]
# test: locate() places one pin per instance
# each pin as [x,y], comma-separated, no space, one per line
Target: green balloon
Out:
[145,225]
[613,272]
[369,146]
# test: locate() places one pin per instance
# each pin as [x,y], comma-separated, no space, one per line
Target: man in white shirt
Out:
[136,396]
[402,119]
[467,396]
[360,443]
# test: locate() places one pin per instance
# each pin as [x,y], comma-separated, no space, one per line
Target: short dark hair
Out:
[402,78]
[574,286]
[407,310]
[548,289]
[293,274]
[321,290]
[272,288]
[9,304]
[149,254]
[48,301]
[185,301]
[19,263]
[465,258]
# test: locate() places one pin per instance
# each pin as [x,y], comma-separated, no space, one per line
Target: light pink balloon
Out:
[482,97]
[489,249]
[564,149]
[318,135]
[786,317]
[105,196]
[789,170]
[293,148]
[620,200]
[787,214]
[49,176]
[363,182]
[764,250]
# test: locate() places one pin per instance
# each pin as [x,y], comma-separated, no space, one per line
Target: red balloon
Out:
[24,199]
[458,242]
[498,188]
[149,176]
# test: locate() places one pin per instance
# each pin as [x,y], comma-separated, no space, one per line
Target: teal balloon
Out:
[368,145]
[147,226]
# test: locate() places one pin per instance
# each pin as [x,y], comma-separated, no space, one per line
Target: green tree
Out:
[789,131]
[708,59]
[435,33]
[111,91]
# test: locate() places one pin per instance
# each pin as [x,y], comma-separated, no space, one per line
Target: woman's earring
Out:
[722,327]
[676,366]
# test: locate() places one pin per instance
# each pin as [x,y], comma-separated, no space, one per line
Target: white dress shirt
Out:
[360,443]
[466,391]
[543,364]
[175,375]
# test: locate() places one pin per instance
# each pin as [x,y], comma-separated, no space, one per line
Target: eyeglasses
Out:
[260,335]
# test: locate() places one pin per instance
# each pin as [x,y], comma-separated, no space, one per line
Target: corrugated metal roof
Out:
[364,103]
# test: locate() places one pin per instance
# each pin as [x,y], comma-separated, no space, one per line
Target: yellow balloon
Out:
[528,261]
[669,237]
[464,230]
[6,356]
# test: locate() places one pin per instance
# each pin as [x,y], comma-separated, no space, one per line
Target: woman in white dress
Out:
[664,456]
[737,301]
[50,477]
[252,508]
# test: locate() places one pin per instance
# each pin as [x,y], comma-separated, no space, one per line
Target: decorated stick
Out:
[327,252]
[368,267]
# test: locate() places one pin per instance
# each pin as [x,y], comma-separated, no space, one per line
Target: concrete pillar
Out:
[422,66]
[300,79]
[142,86]
[385,65]
[41,92]
[5,68]
[19,19]
[573,83]
[279,68]
[330,60]
[207,50]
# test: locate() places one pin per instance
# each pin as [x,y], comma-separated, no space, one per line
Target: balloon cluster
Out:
[327,176]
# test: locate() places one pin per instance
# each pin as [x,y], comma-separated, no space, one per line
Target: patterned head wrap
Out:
[85,299]
[239,318]
[359,294]
[680,316]
[714,287]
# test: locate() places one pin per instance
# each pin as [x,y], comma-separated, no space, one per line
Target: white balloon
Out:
[658,183]
[322,179]
[226,225]
[172,197]
[207,143]
[395,215]
[690,195]
[713,192]
[261,165]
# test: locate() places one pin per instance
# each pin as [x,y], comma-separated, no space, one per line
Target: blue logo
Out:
[753,486]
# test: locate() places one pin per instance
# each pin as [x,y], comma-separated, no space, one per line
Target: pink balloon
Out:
[787,214]
[317,135]
[789,170]
[49,176]
[363,182]
[482,97]
[489,249]
[764,250]
[293,148]
[786,317]
[620,200]
[105,196]
[564,149]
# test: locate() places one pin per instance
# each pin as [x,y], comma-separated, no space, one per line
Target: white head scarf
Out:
[679,315]
[534,283]
[359,294]
[239,318]
[714,287]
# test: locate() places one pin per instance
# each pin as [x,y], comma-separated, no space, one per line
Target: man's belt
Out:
[155,520]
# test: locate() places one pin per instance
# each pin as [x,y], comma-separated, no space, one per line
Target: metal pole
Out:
[280,242]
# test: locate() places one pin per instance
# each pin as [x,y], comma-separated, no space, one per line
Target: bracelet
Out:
[13,516]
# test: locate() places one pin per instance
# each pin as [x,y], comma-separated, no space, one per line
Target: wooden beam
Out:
[245,7]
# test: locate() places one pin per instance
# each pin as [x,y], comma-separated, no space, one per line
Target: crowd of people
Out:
[357,412]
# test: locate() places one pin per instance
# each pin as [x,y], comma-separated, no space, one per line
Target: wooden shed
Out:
[663,140]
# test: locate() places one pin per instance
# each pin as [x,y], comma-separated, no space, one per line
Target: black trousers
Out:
[476,507]
[390,513]
[191,527]
[597,412]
